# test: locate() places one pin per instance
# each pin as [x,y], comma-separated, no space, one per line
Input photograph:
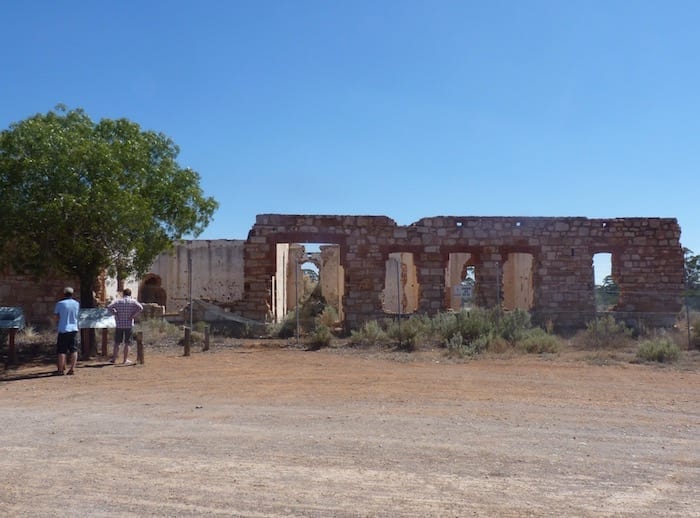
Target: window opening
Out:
[607,291]
[460,281]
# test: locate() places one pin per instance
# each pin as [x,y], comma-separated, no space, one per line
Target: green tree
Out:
[692,278]
[81,197]
[607,294]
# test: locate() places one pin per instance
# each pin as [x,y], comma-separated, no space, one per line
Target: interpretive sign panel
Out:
[11,318]
[96,318]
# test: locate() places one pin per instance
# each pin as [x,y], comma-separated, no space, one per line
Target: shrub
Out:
[513,325]
[328,317]
[457,346]
[320,337]
[408,332]
[285,329]
[157,329]
[470,324]
[371,333]
[537,340]
[606,332]
[661,350]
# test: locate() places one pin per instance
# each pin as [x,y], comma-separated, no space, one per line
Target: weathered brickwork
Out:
[647,261]
[558,286]
[36,298]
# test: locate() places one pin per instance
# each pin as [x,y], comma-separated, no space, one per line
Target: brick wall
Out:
[647,261]
[36,298]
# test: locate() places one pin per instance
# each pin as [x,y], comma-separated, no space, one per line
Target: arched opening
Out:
[460,281]
[151,291]
[400,294]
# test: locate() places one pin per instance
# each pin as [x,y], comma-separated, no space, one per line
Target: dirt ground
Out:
[266,431]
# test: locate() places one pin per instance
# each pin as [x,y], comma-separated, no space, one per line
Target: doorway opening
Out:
[309,276]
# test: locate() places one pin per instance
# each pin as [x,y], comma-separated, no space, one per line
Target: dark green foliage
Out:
[607,295]
[692,279]
[81,197]
[513,325]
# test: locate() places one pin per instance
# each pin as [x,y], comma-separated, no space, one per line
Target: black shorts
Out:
[67,342]
[122,334]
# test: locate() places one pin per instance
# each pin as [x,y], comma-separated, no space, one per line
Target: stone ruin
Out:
[540,264]
[371,268]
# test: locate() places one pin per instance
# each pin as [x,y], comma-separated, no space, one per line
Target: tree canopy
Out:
[81,197]
[692,278]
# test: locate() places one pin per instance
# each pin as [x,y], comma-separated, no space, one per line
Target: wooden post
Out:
[206,338]
[104,342]
[188,335]
[85,343]
[12,356]
[93,342]
[139,347]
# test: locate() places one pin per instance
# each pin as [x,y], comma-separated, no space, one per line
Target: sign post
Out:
[12,319]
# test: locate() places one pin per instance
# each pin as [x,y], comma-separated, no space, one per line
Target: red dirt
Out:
[250,430]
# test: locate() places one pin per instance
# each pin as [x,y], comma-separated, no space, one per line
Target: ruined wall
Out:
[217,272]
[647,264]
[647,261]
[36,298]
[332,275]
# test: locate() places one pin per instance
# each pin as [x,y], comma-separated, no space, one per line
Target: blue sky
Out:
[404,108]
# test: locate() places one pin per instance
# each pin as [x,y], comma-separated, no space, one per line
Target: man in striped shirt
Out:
[124,309]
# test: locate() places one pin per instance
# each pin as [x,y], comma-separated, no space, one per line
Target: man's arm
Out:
[138,308]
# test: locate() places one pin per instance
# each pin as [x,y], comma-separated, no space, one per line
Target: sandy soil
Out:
[248,430]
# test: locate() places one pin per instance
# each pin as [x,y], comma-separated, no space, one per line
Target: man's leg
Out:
[127,343]
[60,353]
[72,349]
[73,361]
[118,336]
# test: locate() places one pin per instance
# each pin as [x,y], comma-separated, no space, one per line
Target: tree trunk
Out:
[87,301]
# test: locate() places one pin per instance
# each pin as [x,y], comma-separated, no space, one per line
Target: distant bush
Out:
[320,337]
[662,350]
[470,325]
[606,332]
[408,332]
[285,329]
[371,333]
[537,340]
[514,325]
[328,317]
[458,347]
[155,329]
